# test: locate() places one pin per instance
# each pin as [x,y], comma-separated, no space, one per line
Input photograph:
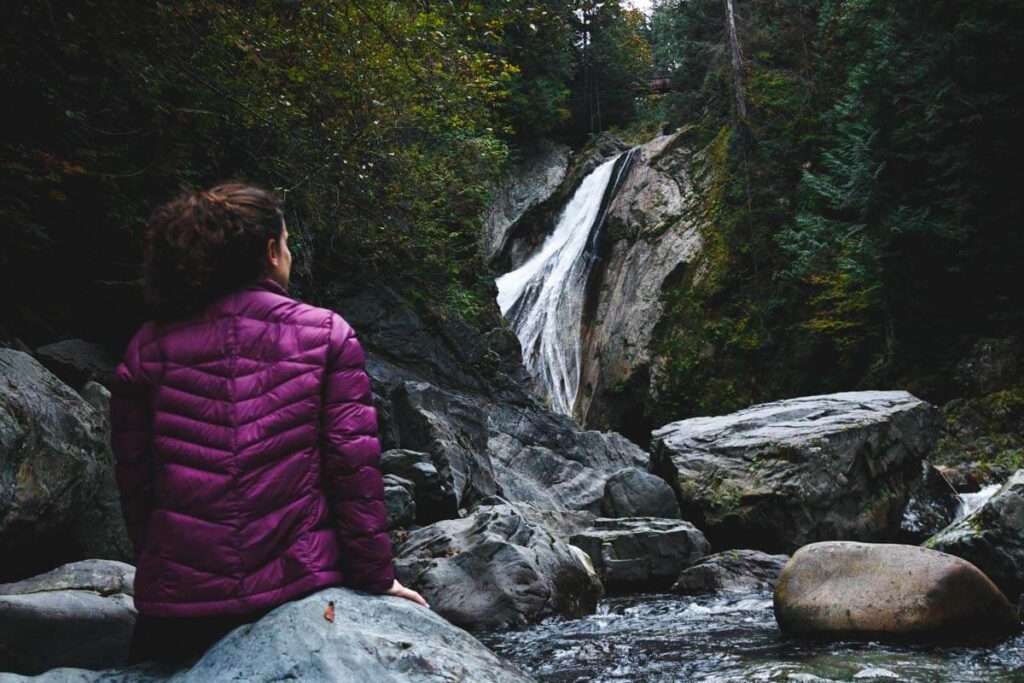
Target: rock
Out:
[983,435]
[651,238]
[372,638]
[861,590]
[642,553]
[993,364]
[57,498]
[632,492]
[96,395]
[992,537]
[80,614]
[933,505]
[495,568]
[778,475]
[77,361]
[399,500]
[524,454]
[732,570]
[434,500]
[530,182]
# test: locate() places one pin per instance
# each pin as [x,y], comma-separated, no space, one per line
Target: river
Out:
[724,638]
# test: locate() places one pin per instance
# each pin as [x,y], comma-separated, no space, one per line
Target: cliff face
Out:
[650,238]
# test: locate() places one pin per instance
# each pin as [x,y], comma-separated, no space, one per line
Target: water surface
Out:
[726,638]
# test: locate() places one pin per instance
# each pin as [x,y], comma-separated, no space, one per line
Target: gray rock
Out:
[653,233]
[992,537]
[372,638]
[642,553]
[993,364]
[932,506]
[96,395]
[80,614]
[496,568]
[732,570]
[57,503]
[399,501]
[530,182]
[778,475]
[853,590]
[632,492]
[434,499]
[77,361]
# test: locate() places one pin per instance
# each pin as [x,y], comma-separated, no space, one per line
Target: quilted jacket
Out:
[247,457]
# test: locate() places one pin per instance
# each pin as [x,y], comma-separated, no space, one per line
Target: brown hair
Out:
[204,244]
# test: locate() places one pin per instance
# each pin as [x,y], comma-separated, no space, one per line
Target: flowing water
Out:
[658,638]
[543,298]
[969,502]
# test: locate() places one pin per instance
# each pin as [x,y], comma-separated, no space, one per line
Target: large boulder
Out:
[640,553]
[58,499]
[496,568]
[776,476]
[372,638]
[76,361]
[526,455]
[853,590]
[992,537]
[731,570]
[80,614]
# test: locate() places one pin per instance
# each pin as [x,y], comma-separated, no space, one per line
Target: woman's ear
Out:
[273,256]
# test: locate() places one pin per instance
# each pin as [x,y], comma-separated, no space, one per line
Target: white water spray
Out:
[543,298]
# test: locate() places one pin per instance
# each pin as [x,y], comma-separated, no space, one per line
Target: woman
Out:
[244,432]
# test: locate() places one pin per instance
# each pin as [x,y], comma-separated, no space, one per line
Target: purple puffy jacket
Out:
[247,457]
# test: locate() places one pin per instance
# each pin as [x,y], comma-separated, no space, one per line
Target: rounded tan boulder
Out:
[841,589]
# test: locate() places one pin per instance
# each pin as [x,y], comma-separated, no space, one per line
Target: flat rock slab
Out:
[846,590]
[640,553]
[732,570]
[372,638]
[779,475]
[80,614]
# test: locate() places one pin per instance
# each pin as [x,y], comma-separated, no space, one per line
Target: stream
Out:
[725,638]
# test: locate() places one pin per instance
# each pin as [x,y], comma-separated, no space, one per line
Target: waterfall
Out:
[543,298]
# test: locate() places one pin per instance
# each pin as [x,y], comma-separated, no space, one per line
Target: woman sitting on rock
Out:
[244,433]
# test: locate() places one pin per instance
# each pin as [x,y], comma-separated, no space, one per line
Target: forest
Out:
[862,152]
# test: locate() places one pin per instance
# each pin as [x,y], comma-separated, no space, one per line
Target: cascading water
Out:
[543,298]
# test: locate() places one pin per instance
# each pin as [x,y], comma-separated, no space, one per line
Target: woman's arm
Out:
[350,461]
[131,439]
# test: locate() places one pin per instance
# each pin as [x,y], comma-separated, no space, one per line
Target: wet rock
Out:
[642,553]
[992,537]
[76,361]
[399,501]
[57,498]
[80,614]
[434,499]
[853,590]
[732,570]
[778,475]
[496,568]
[372,638]
[932,506]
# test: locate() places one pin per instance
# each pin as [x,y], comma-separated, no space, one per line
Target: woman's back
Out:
[247,457]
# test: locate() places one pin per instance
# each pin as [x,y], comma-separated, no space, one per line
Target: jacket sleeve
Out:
[350,465]
[131,439]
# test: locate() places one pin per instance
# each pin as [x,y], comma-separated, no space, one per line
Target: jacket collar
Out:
[269,284]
